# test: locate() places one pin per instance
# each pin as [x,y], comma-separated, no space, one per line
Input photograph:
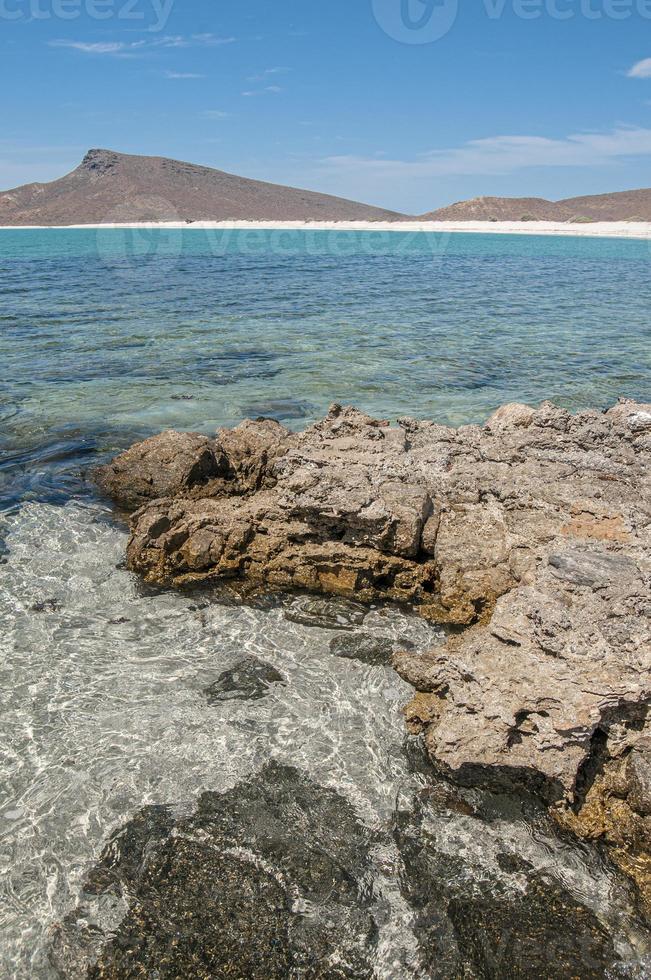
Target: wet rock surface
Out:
[263,881]
[278,878]
[329,614]
[248,680]
[616,810]
[512,920]
[367,648]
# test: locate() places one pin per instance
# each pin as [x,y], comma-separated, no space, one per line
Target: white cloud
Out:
[182,74]
[641,69]
[215,114]
[268,89]
[263,75]
[116,48]
[192,41]
[128,49]
[500,155]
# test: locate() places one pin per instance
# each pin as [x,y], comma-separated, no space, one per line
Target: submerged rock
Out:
[328,614]
[277,878]
[263,881]
[248,680]
[376,651]
[615,806]
[502,918]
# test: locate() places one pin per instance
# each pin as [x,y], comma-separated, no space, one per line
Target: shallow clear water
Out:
[107,336]
[104,710]
[103,707]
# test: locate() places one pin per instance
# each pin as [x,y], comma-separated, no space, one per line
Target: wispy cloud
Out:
[193,41]
[182,74]
[215,114]
[500,155]
[130,49]
[267,90]
[264,75]
[116,48]
[641,69]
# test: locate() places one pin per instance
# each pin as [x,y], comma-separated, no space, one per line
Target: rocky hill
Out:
[621,206]
[109,187]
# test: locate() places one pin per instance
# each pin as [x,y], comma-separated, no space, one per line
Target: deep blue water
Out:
[112,334]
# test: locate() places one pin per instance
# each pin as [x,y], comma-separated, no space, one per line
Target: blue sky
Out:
[409,104]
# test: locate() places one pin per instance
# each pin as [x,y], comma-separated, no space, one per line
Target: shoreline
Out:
[603,229]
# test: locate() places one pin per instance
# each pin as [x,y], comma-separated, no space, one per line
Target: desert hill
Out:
[619,206]
[110,187]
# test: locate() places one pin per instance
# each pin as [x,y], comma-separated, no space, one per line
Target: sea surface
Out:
[108,688]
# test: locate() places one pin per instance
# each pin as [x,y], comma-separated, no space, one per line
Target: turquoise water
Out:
[111,334]
[107,336]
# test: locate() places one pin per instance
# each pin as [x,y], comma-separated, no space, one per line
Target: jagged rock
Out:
[509,416]
[170,464]
[188,465]
[533,530]
[615,807]
[250,450]
[527,690]
[248,680]
[638,775]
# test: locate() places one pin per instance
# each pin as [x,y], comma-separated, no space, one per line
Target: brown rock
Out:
[168,465]
[533,530]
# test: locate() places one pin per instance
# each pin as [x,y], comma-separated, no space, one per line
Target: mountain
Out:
[109,187]
[620,206]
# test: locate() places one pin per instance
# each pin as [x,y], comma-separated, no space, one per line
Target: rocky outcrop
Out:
[189,465]
[616,809]
[531,530]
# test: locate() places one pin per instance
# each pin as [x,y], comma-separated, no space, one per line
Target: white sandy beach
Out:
[603,229]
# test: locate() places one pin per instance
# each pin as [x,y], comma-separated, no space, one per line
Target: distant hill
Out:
[620,206]
[110,187]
